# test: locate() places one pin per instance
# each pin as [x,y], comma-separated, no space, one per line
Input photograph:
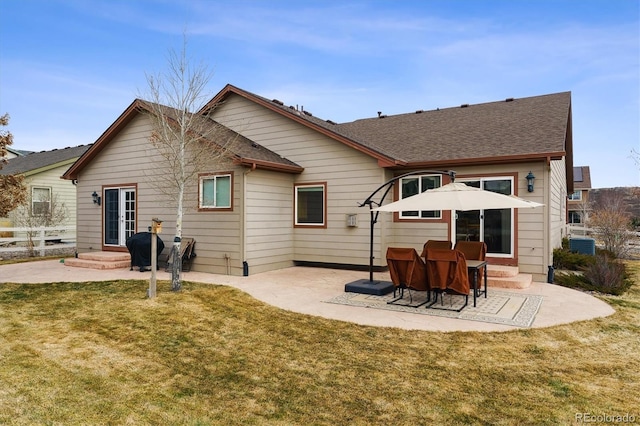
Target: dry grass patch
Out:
[100,353]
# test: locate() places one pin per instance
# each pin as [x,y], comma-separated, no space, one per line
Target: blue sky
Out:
[68,68]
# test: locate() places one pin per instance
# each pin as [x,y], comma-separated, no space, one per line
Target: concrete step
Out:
[517,281]
[501,276]
[105,256]
[100,260]
[501,271]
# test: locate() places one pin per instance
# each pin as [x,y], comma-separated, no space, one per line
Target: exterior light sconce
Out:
[530,179]
[96,198]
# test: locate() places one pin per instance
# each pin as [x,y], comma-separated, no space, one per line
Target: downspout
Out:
[243,227]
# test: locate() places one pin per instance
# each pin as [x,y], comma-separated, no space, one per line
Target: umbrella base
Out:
[364,286]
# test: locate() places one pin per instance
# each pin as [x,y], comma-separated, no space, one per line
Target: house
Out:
[290,192]
[42,173]
[578,200]
[13,153]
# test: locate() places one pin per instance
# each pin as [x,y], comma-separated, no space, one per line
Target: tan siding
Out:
[129,147]
[128,159]
[557,207]
[350,176]
[269,226]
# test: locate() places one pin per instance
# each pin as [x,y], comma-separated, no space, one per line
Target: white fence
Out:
[43,239]
[579,231]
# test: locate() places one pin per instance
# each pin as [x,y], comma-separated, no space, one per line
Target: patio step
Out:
[100,260]
[507,277]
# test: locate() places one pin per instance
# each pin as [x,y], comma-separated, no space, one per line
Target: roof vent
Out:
[379,114]
[308,113]
[275,101]
[419,111]
[464,106]
[509,100]
[331,122]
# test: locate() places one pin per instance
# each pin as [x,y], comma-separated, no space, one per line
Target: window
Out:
[575,217]
[215,191]
[413,185]
[40,201]
[575,196]
[310,204]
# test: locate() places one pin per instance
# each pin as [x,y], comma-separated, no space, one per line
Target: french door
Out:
[119,215]
[493,226]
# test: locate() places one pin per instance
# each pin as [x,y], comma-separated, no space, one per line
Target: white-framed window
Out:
[40,201]
[575,217]
[215,191]
[311,204]
[412,185]
[575,196]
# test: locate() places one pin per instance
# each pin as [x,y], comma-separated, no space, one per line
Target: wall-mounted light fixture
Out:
[96,198]
[530,179]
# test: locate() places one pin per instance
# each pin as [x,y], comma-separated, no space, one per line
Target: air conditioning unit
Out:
[583,245]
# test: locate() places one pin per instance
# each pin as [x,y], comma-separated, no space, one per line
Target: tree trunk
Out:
[176,266]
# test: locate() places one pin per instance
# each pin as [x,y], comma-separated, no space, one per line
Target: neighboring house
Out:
[290,194]
[578,200]
[13,153]
[42,173]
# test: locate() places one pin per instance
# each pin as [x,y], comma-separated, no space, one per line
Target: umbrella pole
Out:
[373,222]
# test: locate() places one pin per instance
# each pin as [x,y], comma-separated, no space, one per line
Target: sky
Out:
[69,68]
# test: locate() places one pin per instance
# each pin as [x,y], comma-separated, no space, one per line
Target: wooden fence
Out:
[39,240]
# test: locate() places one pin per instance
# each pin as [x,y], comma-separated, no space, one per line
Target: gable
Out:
[245,151]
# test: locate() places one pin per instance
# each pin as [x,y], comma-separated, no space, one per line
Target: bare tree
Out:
[611,222]
[186,141]
[42,209]
[635,156]
[12,190]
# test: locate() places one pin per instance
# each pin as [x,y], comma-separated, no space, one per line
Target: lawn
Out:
[101,353]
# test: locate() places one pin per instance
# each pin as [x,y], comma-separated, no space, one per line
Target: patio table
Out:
[474,266]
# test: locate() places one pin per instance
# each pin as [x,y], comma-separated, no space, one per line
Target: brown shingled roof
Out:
[528,127]
[522,129]
[38,160]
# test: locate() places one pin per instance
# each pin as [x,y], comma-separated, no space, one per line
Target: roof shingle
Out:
[37,160]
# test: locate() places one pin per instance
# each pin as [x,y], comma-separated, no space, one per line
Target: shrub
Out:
[571,280]
[565,259]
[608,276]
[603,275]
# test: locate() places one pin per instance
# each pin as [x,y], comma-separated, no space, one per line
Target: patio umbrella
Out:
[457,196]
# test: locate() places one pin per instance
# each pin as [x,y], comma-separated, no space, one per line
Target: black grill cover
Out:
[139,246]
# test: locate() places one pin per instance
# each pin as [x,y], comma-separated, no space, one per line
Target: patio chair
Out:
[187,253]
[447,273]
[407,272]
[435,244]
[474,250]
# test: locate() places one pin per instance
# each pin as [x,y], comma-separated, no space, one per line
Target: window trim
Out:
[579,192]
[214,176]
[400,214]
[296,186]
[50,190]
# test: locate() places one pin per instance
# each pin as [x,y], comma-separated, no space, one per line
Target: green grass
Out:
[101,353]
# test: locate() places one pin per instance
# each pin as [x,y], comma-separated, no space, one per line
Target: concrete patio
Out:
[305,290]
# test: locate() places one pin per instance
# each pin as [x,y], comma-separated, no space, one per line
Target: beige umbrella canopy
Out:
[457,196]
